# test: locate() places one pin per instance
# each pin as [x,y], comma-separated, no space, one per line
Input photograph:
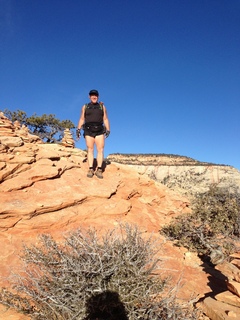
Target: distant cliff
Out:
[181,173]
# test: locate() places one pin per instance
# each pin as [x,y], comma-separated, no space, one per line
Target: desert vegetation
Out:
[115,276]
[213,228]
[47,127]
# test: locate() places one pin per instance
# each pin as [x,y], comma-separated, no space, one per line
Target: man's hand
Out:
[107,133]
[78,134]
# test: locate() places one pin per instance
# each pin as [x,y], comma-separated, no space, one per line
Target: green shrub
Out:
[215,220]
[219,209]
[90,277]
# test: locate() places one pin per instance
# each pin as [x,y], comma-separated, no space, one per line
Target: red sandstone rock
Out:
[229,270]
[217,310]
[44,189]
[229,298]
[53,195]
[67,139]
[234,287]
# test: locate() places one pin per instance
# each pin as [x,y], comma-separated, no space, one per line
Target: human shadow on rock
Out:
[216,280]
[105,306]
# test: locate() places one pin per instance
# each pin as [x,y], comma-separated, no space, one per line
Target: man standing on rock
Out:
[94,121]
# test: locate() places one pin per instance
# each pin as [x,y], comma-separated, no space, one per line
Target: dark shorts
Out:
[93,131]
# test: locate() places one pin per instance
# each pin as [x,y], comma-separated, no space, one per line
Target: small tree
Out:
[47,127]
[18,115]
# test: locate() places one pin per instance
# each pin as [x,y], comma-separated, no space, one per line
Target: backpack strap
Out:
[101,104]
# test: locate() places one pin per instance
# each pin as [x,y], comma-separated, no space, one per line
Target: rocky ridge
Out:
[183,174]
[44,189]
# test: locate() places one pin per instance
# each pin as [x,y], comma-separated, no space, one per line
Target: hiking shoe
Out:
[90,173]
[98,173]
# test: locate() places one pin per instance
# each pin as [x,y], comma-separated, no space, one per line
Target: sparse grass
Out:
[90,277]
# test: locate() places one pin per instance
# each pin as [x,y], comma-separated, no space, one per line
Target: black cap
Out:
[93,93]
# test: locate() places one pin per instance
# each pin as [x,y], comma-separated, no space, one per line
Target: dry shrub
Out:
[213,225]
[90,277]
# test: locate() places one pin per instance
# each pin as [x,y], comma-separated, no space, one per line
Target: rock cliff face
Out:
[44,189]
[182,174]
[153,159]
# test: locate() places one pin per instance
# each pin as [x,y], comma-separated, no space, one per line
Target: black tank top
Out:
[93,113]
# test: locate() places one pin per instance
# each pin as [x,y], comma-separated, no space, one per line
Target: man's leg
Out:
[90,154]
[99,140]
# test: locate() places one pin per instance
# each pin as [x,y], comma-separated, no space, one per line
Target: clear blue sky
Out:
[168,71]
